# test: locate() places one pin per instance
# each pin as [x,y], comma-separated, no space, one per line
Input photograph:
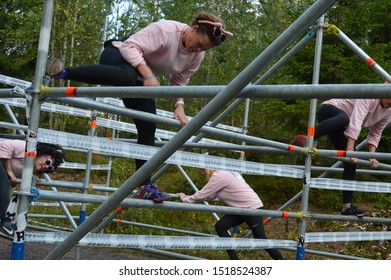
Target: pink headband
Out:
[218,25]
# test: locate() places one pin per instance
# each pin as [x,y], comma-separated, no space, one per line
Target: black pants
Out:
[114,70]
[256,225]
[4,191]
[333,122]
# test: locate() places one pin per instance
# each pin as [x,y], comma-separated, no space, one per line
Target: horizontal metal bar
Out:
[321,91]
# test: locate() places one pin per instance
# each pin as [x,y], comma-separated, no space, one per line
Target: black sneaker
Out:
[354,211]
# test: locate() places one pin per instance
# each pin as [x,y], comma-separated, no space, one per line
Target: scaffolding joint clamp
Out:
[313,152]
[331,28]
[34,194]
[312,32]
[299,215]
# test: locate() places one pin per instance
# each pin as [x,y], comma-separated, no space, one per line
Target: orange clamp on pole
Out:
[71,91]
[30,154]
[265,221]
[341,153]
[285,214]
[93,124]
[311,131]
[370,62]
[291,148]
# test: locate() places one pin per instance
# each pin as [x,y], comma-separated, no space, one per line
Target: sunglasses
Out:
[218,31]
[49,163]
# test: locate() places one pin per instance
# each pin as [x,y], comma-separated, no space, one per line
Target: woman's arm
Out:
[149,78]
[374,163]
[179,112]
[8,168]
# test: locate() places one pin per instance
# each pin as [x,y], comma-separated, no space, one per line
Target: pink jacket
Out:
[159,45]
[364,113]
[228,187]
[14,150]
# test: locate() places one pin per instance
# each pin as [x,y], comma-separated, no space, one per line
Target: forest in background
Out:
[79,30]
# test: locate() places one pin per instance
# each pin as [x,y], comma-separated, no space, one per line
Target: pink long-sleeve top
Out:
[228,187]
[14,150]
[159,45]
[364,113]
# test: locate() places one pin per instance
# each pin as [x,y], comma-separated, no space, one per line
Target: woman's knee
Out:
[343,119]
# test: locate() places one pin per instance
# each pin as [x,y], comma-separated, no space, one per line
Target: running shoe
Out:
[152,193]
[299,140]
[7,229]
[354,211]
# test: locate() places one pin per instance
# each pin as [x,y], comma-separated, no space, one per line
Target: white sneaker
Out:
[7,227]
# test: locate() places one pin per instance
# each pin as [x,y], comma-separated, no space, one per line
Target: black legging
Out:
[4,191]
[333,122]
[256,225]
[114,70]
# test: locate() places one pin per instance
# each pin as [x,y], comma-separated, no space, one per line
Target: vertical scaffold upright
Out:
[31,138]
[310,141]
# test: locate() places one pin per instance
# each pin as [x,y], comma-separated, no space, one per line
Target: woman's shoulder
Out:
[226,175]
[169,24]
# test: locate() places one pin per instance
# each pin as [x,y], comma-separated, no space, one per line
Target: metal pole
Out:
[104,38]
[302,91]
[310,142]
[87,176]
[31,139]
[13,118]
[364,57]
[62,204]
[142,203]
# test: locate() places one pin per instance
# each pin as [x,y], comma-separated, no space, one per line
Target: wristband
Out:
[179,102]
[149,76]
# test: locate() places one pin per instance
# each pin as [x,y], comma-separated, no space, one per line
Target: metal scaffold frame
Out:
[239,89]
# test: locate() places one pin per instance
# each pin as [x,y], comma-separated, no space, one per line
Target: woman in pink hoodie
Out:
[232,189]
[12,154]
[342,120]
[164,47]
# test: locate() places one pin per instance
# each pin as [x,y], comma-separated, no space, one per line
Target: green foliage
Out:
[121,170]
